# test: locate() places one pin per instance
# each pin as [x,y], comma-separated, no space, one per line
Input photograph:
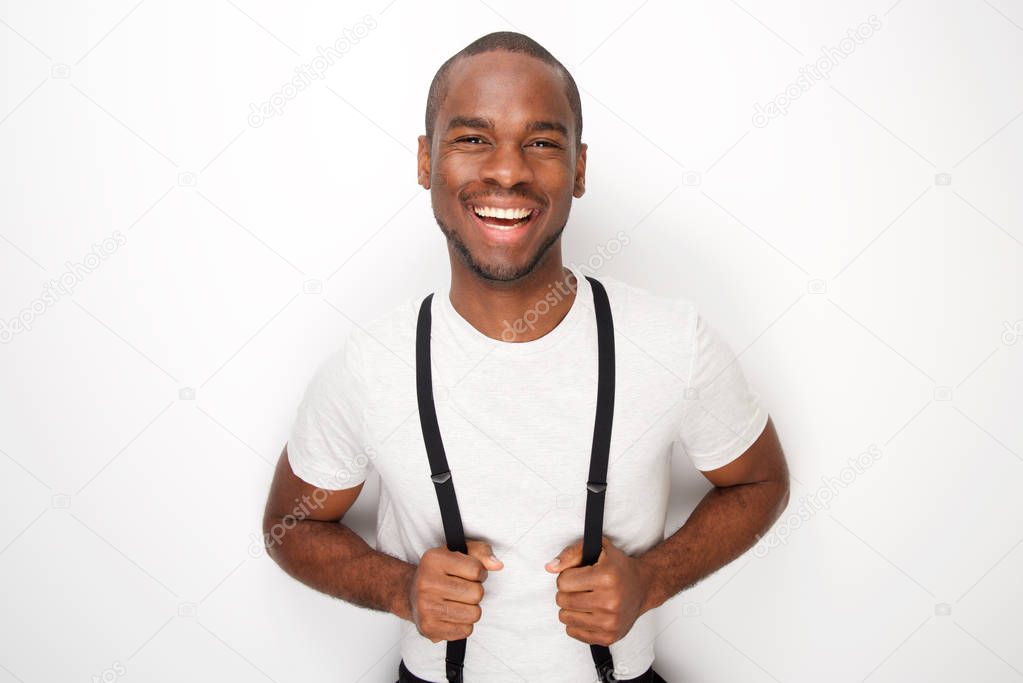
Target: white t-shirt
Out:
[516,419]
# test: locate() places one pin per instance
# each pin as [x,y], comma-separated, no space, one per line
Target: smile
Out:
[498,218]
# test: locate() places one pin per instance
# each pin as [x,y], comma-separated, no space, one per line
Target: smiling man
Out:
[506,362]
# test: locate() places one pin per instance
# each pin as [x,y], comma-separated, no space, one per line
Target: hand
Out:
[599,602]
[446,590]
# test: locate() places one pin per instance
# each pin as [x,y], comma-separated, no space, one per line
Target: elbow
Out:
[781,497]
[784,499]
[273,536]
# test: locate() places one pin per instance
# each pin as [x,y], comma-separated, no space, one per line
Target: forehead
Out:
[505,85]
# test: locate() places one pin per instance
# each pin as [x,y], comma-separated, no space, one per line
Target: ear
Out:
[423,162]
[580,172]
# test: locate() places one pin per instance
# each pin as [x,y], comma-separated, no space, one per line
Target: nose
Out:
[506,166]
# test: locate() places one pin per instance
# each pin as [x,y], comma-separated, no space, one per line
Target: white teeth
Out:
[491,212]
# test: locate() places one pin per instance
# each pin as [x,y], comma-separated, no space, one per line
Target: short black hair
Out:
[511,42]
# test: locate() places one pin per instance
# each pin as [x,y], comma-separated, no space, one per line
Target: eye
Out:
[467,138]
[545,143]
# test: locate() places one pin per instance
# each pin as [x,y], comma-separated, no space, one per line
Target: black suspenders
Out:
[595,484]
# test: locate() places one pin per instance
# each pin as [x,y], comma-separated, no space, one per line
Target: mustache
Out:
[475,199]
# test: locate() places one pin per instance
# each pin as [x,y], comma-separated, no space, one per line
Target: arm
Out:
[750,494]
[303,534]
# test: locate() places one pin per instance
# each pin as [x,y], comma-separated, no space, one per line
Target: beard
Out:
[489,271]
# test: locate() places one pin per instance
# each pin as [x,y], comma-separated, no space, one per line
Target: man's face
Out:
[503,146]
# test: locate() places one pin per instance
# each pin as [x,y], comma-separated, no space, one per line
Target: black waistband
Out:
[648,676]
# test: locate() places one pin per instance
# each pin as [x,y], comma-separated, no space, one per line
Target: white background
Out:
[872,304]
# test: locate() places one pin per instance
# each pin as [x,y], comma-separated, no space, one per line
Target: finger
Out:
[457,612]
[570,557]
[465,567]
[587,636]
[586,621]
[451,631]
[579,579]
[461,590]
[483,552]
[579,601]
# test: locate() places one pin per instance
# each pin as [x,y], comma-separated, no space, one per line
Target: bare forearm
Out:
[725,524]
[333,559]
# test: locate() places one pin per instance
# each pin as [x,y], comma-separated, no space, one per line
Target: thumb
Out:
[484,553]
[570,557]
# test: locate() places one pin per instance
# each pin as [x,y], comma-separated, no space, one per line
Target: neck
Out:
[515,311]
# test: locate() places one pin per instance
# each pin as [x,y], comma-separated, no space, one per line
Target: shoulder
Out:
[386,338]
[641,310]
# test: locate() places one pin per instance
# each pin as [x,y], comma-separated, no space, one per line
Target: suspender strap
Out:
[596,483]
[440,473]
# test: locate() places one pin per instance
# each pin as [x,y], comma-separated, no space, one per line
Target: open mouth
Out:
[503,219]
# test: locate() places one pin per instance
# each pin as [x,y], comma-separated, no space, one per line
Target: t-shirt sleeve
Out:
[722,415]
[327,444]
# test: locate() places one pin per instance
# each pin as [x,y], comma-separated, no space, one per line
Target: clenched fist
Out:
[447,588]
[600,602]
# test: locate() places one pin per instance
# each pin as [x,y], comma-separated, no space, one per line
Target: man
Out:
[514,362]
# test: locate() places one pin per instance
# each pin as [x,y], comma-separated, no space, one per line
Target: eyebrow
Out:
[485,123]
